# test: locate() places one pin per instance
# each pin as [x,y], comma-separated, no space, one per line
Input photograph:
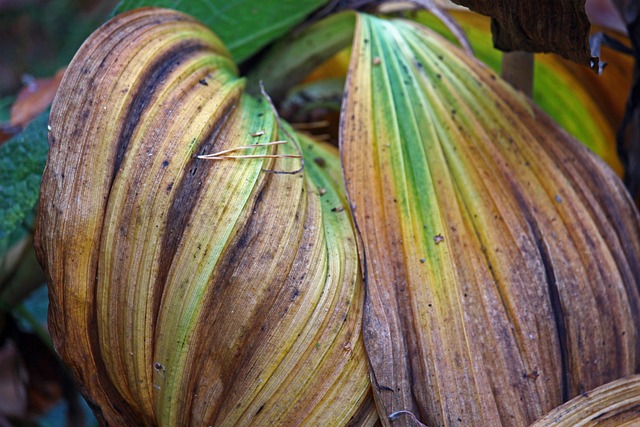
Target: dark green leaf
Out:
[5,108]
[245,26]
[22,161]
[293,58]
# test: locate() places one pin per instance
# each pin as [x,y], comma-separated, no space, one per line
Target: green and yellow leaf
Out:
[187,290]
[500,256]
[586,105]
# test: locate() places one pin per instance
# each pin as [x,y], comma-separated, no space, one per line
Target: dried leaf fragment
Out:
[555,26]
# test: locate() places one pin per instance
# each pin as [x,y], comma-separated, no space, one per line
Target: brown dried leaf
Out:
[34,98]
[556,26]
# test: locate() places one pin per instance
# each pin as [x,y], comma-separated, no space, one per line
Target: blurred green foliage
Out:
[22,161]
[38,37]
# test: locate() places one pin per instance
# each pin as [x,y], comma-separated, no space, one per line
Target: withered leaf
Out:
[34,98]
[613,404]
[555,26]
[185,290]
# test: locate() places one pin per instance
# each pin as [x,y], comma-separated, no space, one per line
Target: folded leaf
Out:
[613,404]
[501,257]
[185,290]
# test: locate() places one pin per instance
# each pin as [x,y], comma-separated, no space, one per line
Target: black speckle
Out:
[165,163]
[533,375]
[203,82]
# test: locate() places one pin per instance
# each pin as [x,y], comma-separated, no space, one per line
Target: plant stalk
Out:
[517,69]
[292,60]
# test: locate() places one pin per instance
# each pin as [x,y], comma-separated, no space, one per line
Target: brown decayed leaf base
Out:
[554,26]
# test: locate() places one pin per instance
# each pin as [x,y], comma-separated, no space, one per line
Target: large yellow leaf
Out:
[587,105]
[501,256]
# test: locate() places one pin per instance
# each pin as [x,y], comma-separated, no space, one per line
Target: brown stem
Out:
[517,69]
